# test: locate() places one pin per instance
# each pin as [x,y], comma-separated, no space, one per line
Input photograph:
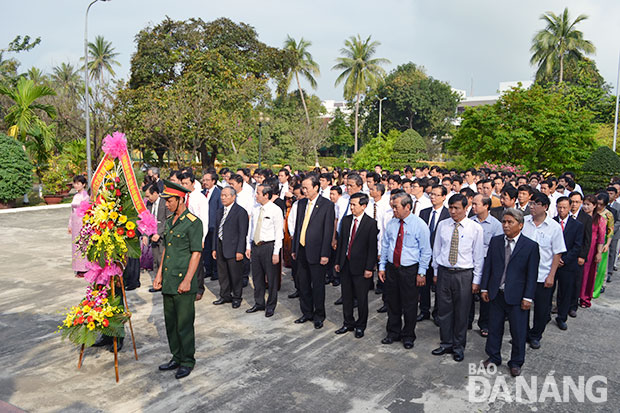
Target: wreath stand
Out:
[115,339]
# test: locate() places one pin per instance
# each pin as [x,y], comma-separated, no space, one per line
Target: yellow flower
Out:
[109,165]
[86,309]
[113,215]
[108,313]
[111,205]
[122,219]
[130,225]
[104,301]
[91,326]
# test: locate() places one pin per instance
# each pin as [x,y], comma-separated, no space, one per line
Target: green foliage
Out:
[75,153]
[541,129]
[413,100]
[408,149]
[56,176]
[379,150]
[599,168]
[340,138]
[15,169]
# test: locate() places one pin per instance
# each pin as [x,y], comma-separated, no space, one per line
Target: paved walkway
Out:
[247,362]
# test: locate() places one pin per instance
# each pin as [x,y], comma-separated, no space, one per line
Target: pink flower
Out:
[115,145]
[147,223]
[82,208]
[101,276]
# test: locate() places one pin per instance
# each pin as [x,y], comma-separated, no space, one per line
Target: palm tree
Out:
[557,42]
[360,70]
[66,78]
[303,65]
[36,75]
[23,118]
[101,58]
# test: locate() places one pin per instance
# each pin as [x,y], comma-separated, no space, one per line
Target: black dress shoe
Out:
[102,341]
[220,301]
[389,340]
[152,290]
[269,313]
[335,283]
[294,295]
[254,309]
[408,344]
[355,304]
[328,280]
[171,365]
[515,371]
[343,329]
[458,356]
[236,304]
[436,321]
[422,317]
[183,371]
[119,345]
[302,320]
[338,301]
[487,363]
[572,313]
[131,287]
[318,324]
[378,290]
[245,282]
[214,278]
[561,324]
[534,344]
[383,309]
[359,333]
[440,351]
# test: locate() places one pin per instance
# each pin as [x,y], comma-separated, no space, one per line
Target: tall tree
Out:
[359,71]
[558,42]
[303,65]
[66,78]
[101,58]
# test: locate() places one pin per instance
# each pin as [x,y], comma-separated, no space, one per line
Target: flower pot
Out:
[53,199]
[7,205]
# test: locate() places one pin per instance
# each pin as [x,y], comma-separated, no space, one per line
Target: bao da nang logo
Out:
[488,385]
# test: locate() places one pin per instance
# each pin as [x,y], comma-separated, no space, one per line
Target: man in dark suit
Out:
[355,261]
[432,216]
[508,198]
[314,228]
[576,201]
[509,284]
[229,246]
[157,206]
[567,271]
[213,194]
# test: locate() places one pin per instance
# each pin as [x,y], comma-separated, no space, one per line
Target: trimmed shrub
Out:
[408,149]
[597,171]
[15,169]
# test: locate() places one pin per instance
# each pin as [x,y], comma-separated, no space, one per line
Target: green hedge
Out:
[15,169]
[602,165]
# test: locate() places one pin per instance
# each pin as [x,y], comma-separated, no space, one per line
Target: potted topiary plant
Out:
[54,180]
[15,171]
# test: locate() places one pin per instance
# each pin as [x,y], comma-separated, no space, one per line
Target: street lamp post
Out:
[380,101]
[89,169]
[617,97]
[261,119]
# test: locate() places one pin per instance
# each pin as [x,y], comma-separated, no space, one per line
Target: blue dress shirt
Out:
[416,243]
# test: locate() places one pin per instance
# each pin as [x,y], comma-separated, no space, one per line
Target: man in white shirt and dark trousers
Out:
[263,248]
[458,259]
[541,227]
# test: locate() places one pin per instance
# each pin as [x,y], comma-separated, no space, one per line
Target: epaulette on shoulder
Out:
[191,217]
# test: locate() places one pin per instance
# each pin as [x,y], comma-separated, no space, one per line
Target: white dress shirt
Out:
[471,246]
[325,192]
[272,226]
[199,206]
[292,218]
[420,203]
[550,241]
[283,187]
[245,198]
[382,209]
[340,208]
[197,185]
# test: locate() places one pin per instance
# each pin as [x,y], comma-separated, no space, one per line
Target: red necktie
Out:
[398,248]
[352,238]
[562,224]
[207,193]
[187,201]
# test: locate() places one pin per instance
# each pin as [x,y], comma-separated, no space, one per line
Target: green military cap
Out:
[171,189]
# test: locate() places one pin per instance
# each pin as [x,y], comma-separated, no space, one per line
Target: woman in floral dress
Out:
[601,207]
[599,228]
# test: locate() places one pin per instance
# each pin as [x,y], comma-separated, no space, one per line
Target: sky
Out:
[473,45]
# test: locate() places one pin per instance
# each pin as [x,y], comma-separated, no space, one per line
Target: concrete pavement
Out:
[246,362]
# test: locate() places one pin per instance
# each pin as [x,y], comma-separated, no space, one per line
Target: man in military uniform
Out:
[181,256]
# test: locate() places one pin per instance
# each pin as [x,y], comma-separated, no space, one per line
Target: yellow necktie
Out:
[304,226]
[259,225]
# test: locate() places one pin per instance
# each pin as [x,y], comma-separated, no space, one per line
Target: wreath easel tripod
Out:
[115,339]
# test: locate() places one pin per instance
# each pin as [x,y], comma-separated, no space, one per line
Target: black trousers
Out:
[517,321]
[574,302]
[311,287]
[401,293]
[483,316]
[354,286]
[263,268]
[230,276]
[131,274]
[565,283]
[209,264]
[454,301]
[425,294]
[542,311]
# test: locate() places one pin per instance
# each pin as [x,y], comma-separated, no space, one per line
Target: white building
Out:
[471,101]
[332,105]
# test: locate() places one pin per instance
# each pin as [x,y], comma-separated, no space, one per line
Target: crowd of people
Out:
[434,243]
